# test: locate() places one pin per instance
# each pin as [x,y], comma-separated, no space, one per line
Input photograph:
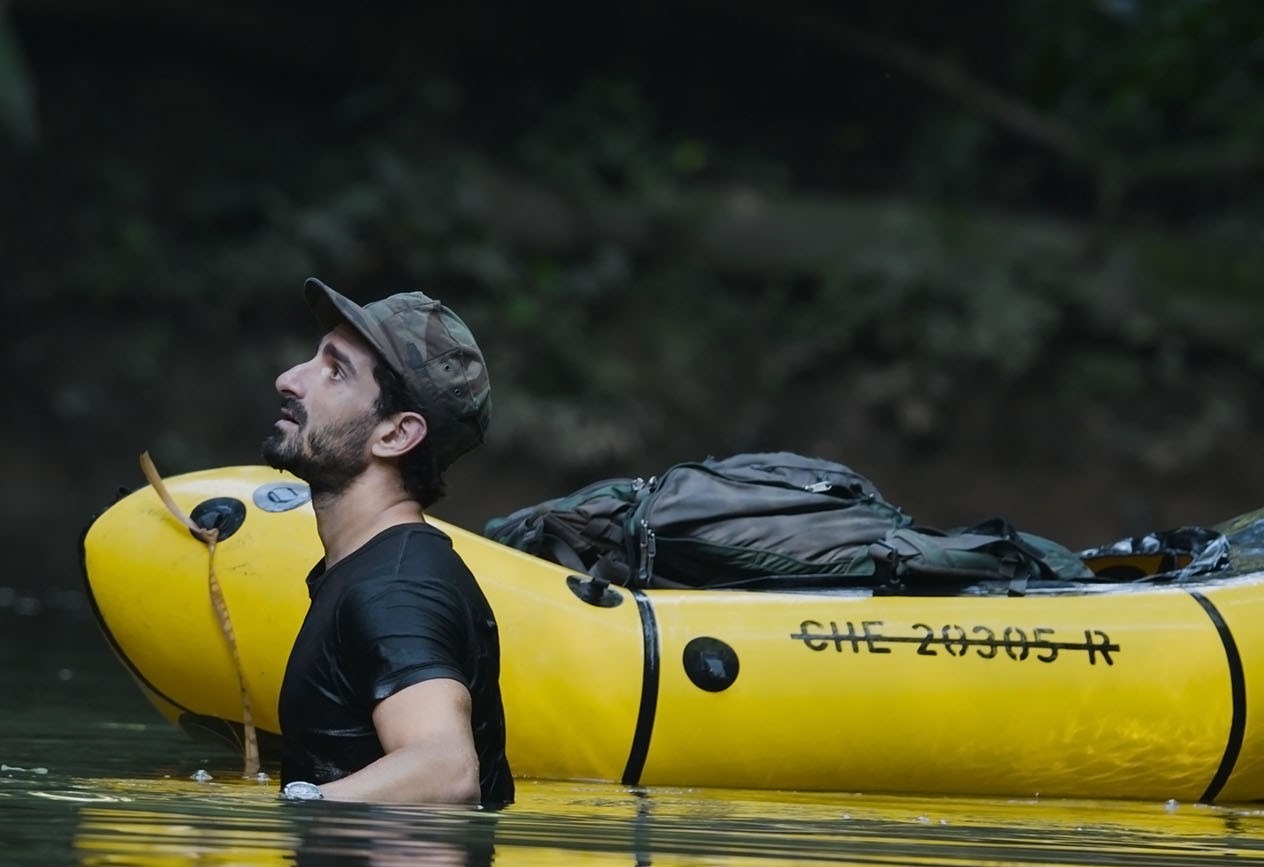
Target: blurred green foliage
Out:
[1141,75]
[17,91]
[998,255]
[713,226]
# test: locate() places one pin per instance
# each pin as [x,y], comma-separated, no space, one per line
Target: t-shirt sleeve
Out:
[394,633]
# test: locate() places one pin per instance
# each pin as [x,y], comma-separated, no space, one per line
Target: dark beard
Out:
[329,459]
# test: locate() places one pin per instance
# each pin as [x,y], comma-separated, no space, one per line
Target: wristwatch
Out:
[302,791]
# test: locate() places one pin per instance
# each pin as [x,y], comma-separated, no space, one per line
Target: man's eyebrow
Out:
[341,357]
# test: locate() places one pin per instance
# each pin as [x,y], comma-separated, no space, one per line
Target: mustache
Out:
[294,410]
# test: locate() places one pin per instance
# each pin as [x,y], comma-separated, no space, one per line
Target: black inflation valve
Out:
[710,663]
[224,514]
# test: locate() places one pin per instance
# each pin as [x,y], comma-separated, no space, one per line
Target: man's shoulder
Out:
[406,555]
[411,533]
[401,545]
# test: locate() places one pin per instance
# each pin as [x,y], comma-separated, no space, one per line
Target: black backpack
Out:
[771,520]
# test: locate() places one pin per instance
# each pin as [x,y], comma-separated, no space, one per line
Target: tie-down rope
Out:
[210,537]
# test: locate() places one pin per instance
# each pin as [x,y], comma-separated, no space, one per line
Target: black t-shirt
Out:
[400,610]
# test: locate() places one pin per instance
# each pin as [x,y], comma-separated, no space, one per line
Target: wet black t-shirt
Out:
[400,610]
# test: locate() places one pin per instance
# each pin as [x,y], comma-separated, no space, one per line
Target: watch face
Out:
[301,791]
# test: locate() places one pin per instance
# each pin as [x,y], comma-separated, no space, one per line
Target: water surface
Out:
[90,774]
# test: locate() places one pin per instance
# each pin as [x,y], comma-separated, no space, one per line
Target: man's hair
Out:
[419,468]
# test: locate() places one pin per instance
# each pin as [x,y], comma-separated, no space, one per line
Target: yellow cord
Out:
[210,537]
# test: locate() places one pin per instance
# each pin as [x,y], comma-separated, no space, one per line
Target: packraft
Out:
[781,519]
[1089,692]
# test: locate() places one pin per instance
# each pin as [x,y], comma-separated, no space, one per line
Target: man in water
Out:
[392,688]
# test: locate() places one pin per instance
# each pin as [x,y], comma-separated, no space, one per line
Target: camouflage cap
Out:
[432,350]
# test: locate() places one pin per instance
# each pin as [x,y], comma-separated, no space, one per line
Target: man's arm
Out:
[430,757]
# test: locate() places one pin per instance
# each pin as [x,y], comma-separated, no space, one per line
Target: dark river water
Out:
[89,774]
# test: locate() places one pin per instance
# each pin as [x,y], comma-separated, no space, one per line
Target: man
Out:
[392,689]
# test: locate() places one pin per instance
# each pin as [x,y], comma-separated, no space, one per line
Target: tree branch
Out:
[935,72]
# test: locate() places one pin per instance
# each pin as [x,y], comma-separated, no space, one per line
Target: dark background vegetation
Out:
[1004,256]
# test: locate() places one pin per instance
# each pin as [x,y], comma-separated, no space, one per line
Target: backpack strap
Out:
[966,556]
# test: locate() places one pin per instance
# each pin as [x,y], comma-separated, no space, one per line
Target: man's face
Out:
[328,414]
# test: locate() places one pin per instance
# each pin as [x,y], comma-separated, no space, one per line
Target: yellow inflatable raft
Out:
[1116,691]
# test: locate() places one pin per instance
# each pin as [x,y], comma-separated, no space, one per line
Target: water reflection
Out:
[130,835]
[247,829]
[389,838]
[559,824]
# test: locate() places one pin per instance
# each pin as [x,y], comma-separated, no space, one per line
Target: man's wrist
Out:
[300,790]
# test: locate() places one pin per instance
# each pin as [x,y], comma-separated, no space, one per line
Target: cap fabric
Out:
[432,350]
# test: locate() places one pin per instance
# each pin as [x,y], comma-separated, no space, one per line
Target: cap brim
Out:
[332,309]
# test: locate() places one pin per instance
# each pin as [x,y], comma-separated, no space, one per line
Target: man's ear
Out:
[400,434]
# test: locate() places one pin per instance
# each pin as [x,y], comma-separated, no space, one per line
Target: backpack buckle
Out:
[648,548]
[888,569]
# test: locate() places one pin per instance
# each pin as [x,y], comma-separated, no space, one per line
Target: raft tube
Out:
[1114,691]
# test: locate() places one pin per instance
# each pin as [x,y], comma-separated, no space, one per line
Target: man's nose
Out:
[290,382]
